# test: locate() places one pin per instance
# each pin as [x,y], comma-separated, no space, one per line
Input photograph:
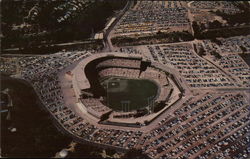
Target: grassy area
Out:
[44,29]
[136,92]
[158,38]
[36,135]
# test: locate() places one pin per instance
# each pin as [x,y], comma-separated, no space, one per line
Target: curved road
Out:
[106,38]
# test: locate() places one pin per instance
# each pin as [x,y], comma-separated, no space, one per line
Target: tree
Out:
[216,54]
[215,24]
[136,154]
[197,29]
[216,41]
[202,52]
[243,49]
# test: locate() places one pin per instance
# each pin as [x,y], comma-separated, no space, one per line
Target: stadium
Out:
[118,88]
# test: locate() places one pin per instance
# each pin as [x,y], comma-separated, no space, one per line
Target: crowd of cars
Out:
[230,50]
[42,73]
[202,128]
[225,6]
[210,124]
[237,44]
[237,67]
[196,71]
[153,16]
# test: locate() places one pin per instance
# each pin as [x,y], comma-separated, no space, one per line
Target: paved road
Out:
[233,80]
[106,37]
[58,44]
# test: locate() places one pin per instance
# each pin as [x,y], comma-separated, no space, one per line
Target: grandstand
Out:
[135,86]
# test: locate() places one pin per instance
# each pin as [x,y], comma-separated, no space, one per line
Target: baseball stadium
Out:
[121,88]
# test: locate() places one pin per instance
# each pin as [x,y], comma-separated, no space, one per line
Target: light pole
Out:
[107,91]
[125,105]
[150,104]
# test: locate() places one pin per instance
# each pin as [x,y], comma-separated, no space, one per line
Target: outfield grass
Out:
[133,91]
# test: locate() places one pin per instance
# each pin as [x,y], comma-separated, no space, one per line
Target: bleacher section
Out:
[128,68]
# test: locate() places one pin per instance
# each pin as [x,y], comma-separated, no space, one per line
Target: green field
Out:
[129,94]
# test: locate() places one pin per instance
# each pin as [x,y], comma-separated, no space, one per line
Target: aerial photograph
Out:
[144,79]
